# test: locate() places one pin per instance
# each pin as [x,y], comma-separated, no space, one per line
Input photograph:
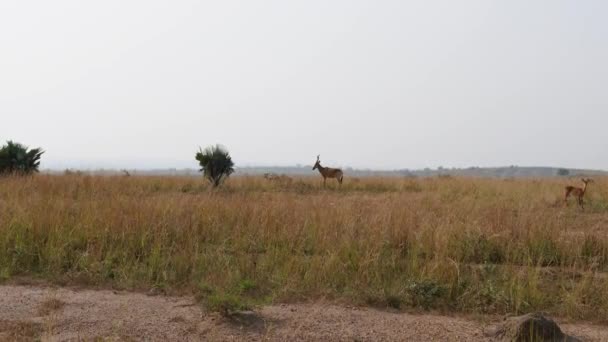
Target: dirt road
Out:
[59,314]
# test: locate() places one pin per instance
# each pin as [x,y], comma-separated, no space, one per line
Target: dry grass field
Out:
[447,244]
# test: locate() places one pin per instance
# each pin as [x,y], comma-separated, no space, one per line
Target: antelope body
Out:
[577,192]
[328,172]
[273,177]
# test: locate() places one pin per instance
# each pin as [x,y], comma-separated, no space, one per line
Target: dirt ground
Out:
[62,314]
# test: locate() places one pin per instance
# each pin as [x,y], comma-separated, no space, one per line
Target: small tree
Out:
[563,172]
[17,159]
[216,164]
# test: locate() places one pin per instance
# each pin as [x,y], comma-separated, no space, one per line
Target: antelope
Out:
[328,172]
[577,192]
[271,176]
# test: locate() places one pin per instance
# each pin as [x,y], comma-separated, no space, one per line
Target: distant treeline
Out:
[493,172]
[487,172]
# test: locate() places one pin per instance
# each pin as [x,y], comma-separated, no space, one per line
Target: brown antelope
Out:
[577,192]
[328,172]
[271,176]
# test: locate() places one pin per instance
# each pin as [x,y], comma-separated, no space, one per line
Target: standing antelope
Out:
[328,172]
[577,192]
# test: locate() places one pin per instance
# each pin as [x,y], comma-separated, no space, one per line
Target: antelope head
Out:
[317,164]
[587,180]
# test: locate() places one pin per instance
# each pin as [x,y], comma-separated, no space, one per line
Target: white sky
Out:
[375,84]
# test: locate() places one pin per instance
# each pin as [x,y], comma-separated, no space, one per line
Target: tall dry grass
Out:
[467,245]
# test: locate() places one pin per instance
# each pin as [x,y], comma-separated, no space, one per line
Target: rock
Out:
[532,327]
[249,319]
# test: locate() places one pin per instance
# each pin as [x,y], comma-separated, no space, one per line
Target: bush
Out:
[226,304]
[425,293]
[17,159]
[216,164]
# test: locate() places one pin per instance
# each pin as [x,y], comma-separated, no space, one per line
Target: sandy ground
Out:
[60,314]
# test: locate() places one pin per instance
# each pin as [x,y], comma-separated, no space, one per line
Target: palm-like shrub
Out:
[18,159]
[216,164]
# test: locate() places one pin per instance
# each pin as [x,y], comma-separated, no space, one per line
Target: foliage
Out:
[563,172]
[226,304]
[216,164]
[17,159]
[424,293]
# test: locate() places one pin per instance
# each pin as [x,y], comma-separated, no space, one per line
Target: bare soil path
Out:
[63,314]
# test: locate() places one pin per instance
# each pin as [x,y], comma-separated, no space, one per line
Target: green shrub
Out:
[425,293]
[226,304]
[216,164]
[18,159]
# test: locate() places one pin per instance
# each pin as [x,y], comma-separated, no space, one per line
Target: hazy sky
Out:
[375,84]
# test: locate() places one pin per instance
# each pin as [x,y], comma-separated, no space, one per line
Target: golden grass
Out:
[466,245]
[20,331]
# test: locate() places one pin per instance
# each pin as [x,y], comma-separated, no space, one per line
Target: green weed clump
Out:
[448,243]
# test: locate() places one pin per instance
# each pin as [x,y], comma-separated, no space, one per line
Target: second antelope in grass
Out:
[328,172]
[271,176]
[282,179]
[577,192]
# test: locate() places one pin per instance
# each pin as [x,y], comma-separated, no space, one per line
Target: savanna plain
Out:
[446,245]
